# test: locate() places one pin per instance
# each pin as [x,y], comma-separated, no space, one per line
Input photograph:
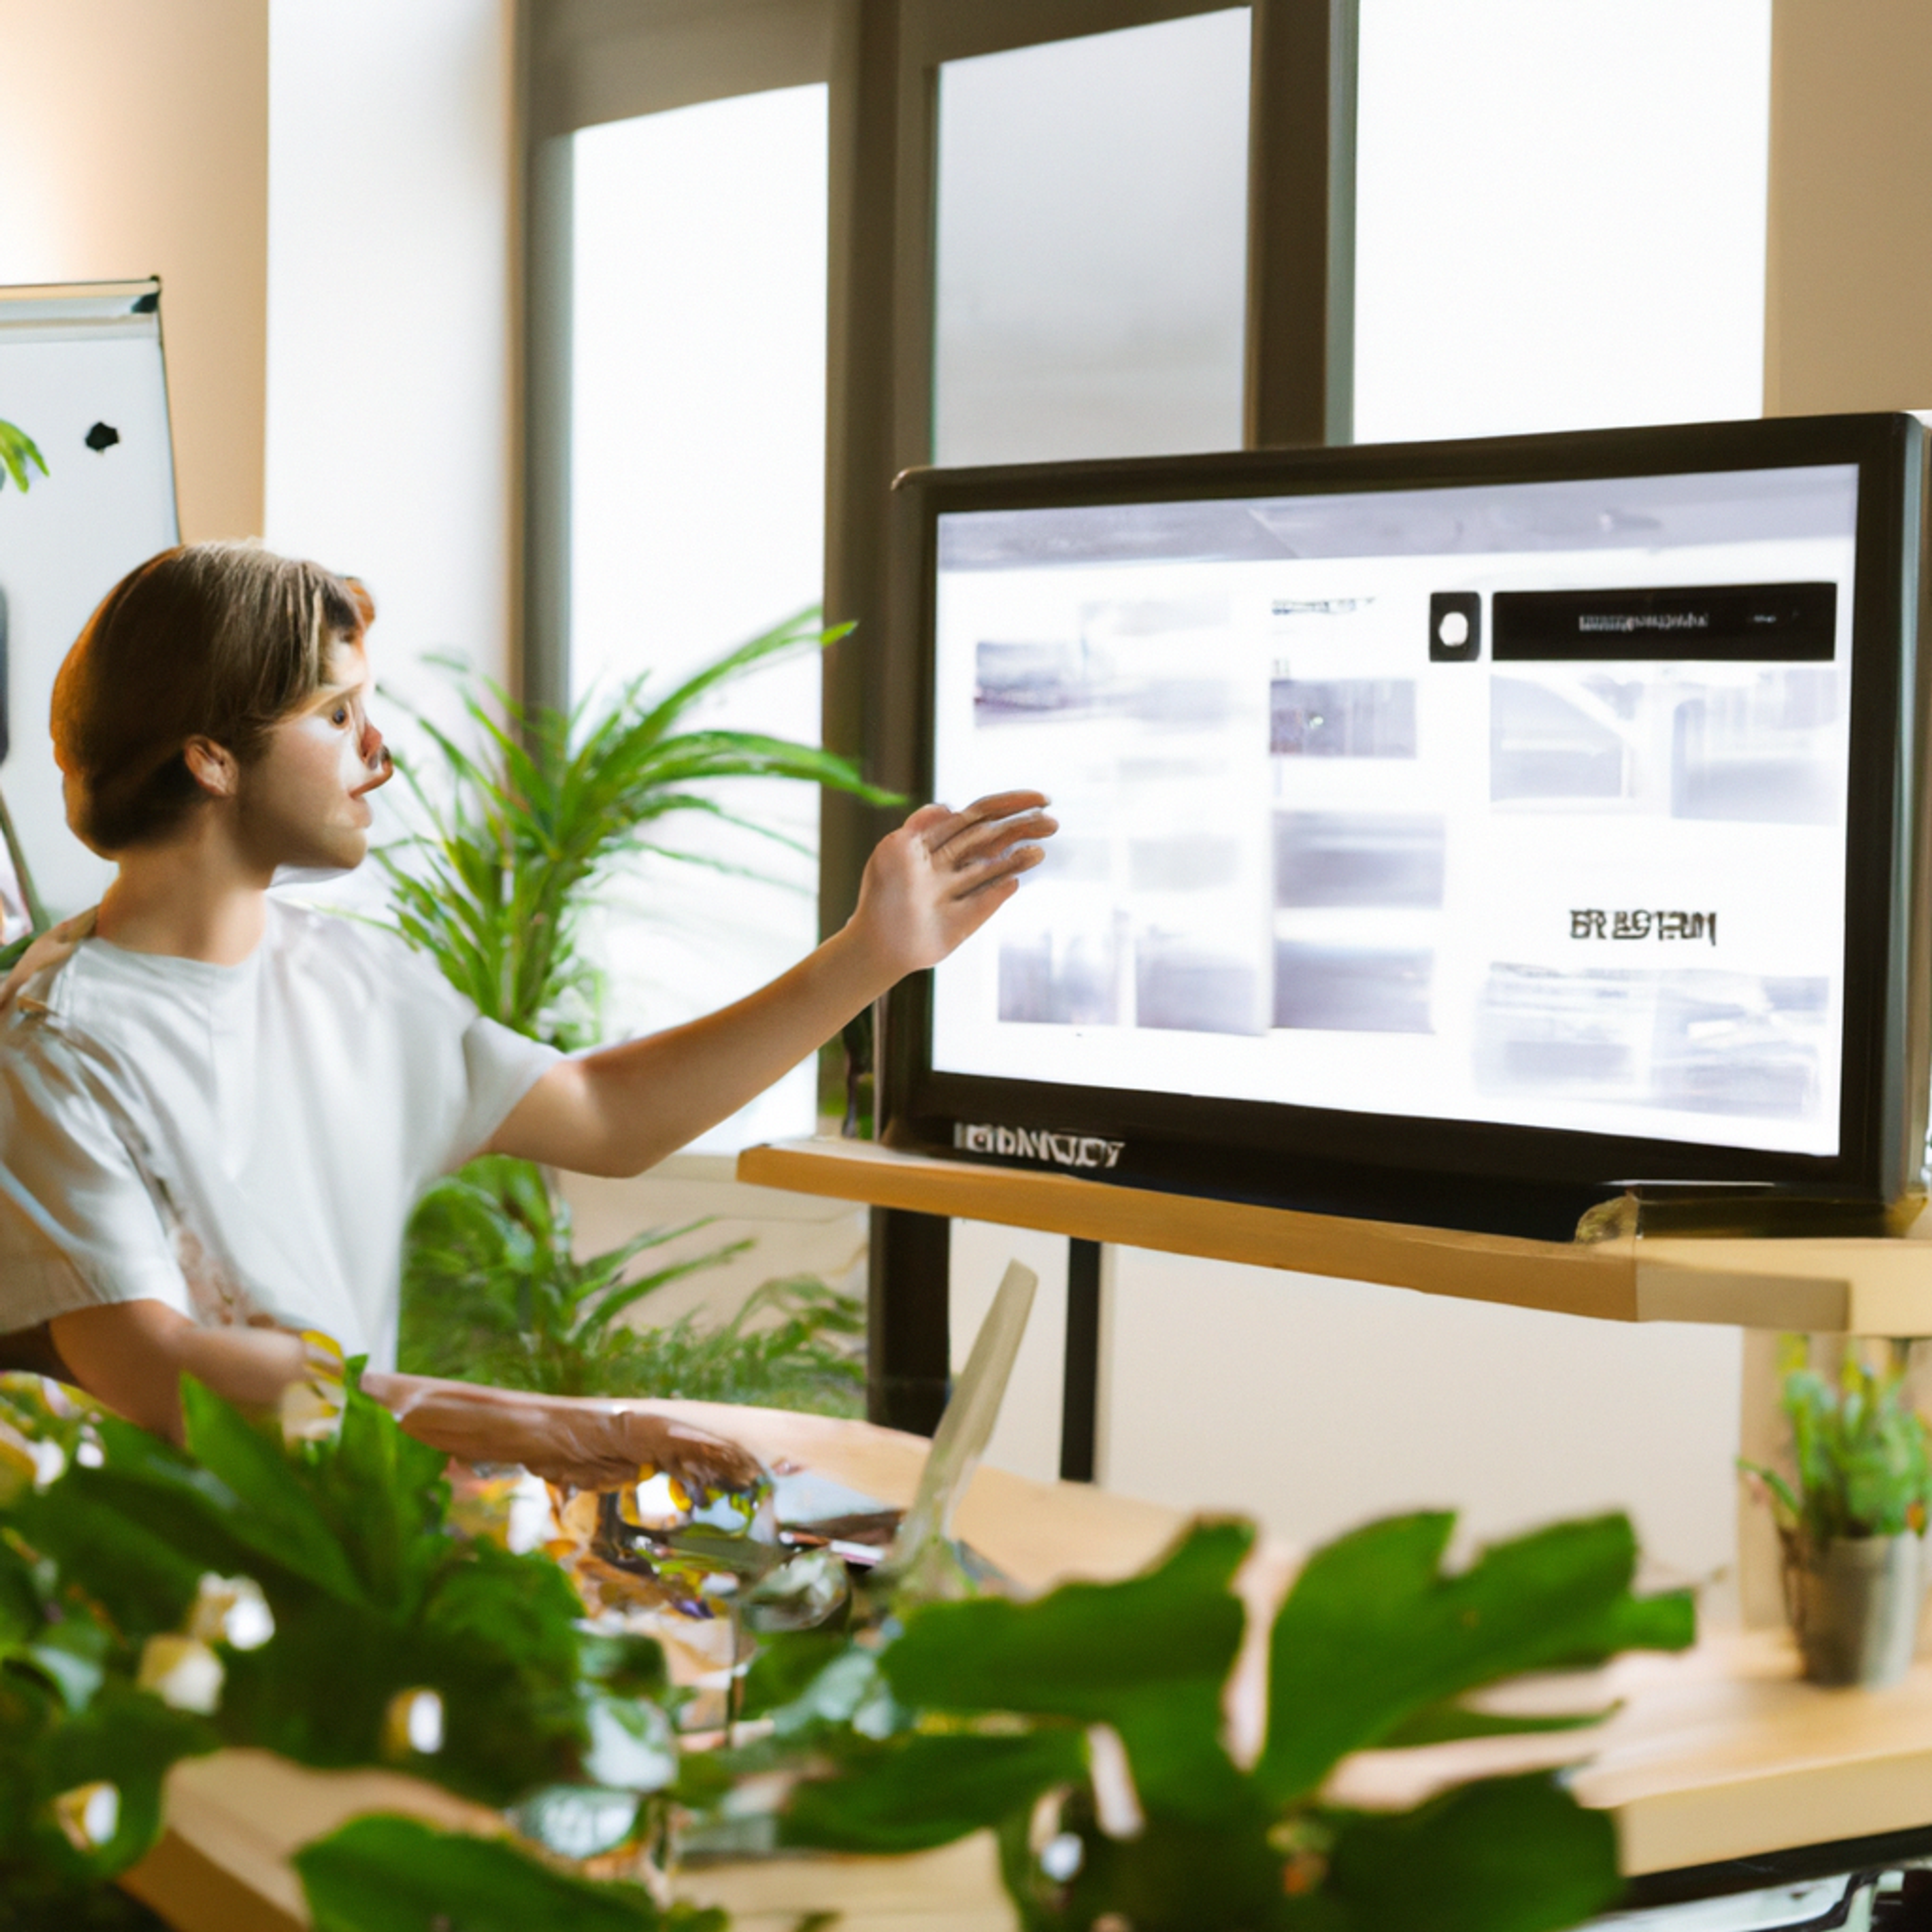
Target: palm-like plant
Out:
[516,837]
[500,1297]
[535,819]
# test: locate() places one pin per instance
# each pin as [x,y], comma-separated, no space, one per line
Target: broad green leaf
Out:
[124,1558]
[276,1515]
[1509,1854]
[1447,1724]
[1149,1656]
[1177,1875]
[1373,1634]
[129,1740]
[390,1874]
[388,1500]
[922,1791]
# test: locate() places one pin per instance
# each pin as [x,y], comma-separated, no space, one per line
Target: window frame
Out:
[583,62]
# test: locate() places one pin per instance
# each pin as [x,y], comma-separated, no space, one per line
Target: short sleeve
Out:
[78,1226]
[502,1066]
[459,1073]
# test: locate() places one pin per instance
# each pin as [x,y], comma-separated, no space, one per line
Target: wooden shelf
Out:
[1876,1286]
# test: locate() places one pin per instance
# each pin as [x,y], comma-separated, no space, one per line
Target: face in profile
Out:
[303,799]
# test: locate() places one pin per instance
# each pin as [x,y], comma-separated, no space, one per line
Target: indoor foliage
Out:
[17,453]
[498,1296]
[1086,1728]
[1860,1450]
[533,820]
[525,827]
[306,1596]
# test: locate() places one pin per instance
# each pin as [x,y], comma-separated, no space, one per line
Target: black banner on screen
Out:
[1746,623]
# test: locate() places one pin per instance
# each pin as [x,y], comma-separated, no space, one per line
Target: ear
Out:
[213,767]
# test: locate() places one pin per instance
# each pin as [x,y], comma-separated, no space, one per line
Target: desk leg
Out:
[908,1330]
[1080,1392]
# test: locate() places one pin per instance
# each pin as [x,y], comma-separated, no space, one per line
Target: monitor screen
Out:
[1521,803]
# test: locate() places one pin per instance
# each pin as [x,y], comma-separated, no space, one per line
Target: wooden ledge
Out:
[1874,1285]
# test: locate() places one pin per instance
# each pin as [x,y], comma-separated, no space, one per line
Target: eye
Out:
[340,715]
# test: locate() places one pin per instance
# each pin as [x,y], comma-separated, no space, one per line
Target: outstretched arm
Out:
[931,884]
[132,1355]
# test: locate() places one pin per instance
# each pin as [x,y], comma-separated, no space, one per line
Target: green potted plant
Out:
[307,1588]
[1852,1523]
[519,830]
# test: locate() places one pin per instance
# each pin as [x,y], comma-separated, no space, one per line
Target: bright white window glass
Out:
[1561,214]
[697,500]
[1092,245]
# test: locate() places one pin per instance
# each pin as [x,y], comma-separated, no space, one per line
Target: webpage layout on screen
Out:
[1522,803]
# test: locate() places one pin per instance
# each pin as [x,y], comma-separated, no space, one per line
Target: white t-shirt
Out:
[239,1141]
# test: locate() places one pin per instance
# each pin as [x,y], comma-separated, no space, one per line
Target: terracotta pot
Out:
[1855,1603]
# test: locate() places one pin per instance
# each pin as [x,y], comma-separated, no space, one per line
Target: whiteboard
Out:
[69,360]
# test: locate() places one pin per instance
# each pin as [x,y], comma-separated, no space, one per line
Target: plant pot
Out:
[1854,1604]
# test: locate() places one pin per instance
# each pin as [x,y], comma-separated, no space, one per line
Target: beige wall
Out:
[1849,301]
[134,141]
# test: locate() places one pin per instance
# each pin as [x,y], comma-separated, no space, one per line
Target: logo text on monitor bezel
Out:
[1062,1149]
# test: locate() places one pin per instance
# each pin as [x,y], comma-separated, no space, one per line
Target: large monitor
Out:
[1461,833]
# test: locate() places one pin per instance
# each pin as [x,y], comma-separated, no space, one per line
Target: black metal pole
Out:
[1080,1397]
[908,1357]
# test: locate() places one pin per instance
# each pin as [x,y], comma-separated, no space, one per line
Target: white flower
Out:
[413,1723]
[231,1610]
[89,1815]
[183,1672]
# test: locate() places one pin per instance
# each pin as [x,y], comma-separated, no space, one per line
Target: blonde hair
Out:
[216,640]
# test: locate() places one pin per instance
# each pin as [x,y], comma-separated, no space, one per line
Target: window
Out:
[697,516]
[1092,245]
[1560,215]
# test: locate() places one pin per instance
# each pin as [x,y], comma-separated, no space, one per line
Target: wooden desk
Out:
[1874,1286]
[234,1818]
[1717,1754]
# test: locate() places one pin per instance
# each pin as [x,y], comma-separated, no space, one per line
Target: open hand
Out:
[582,1444]
[936,880]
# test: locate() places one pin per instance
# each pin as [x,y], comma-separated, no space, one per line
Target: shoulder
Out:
[38,974]
[355,956]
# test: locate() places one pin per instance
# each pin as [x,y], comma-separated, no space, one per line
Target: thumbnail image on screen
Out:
[1521,803]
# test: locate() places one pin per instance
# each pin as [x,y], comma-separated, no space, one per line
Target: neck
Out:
[194,898]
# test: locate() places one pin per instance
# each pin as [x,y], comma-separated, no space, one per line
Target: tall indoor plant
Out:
[520,829]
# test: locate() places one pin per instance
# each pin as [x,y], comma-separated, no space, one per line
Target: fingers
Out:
[711,1462]
[1003,869]
[927,816]
[939,832]
[694,1456]
[985,842]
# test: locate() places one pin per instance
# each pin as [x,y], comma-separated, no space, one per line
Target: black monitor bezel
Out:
[1480,1174]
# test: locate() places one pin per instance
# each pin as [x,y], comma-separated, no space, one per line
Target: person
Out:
[217,1107]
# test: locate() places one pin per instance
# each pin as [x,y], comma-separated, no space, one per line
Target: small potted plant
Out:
[1853,1524]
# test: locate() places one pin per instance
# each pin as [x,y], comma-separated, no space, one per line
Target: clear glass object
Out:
[1091,245]
[698,513]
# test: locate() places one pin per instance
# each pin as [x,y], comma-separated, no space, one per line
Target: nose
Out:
[375,755]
